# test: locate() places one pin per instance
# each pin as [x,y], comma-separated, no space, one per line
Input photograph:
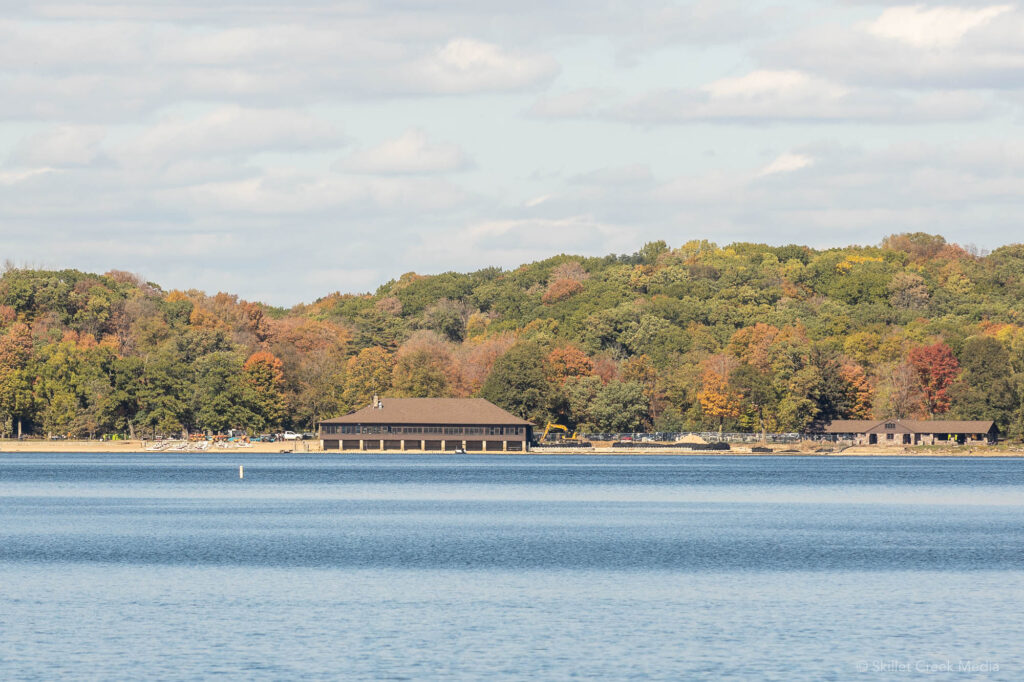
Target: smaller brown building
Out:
[898,432]
[444,424]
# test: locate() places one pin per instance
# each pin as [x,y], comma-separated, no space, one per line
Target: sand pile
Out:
[692,438]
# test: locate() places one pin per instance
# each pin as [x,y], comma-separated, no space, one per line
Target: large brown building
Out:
[911,431]
[443,424]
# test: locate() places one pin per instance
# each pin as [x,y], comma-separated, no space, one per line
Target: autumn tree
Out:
[759,396]
[641,370]
[417,374]
[367,374]
[567,361]
[448,318]
[265,378]
[937,368]
[899,391]
[860,394]
[16,398]
[717,399]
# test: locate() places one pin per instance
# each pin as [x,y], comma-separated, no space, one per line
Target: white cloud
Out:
[632,174]
[787,163]
[763,96]
[580,103]
[943,48]
[936,27]
[774,85]
[14,177]
[132,129]
[59,146]
[231,131]
[511,242]
[466,65]
[409,153]
[284,192]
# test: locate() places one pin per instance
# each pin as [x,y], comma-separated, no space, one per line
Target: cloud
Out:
[15,177]
[942,48]
[410,153]
[465,65]
[766,84]
[111,71]
[765,95]
[511,242]
[937,27]
[280,193]
[581,103]
[633,174]
[857,195]
[787,163]
[132,129]
[59,146]
[231,131]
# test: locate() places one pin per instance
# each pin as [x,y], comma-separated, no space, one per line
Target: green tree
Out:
[517,382]
[986,387]
[367,374]
[417,375]
[619,407]
[759,399]
[224,398]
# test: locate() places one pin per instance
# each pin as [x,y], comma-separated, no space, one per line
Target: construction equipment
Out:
[574,438]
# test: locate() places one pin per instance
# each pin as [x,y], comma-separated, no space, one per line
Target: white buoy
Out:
[241,474]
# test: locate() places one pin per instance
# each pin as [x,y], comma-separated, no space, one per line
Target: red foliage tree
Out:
[561,289]
[937,369]
[568,361]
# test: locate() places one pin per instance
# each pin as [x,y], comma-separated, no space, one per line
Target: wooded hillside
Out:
[696,337]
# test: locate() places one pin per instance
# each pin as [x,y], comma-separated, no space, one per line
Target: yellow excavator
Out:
[574,438]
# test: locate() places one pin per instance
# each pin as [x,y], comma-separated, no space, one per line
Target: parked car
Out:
[291,435]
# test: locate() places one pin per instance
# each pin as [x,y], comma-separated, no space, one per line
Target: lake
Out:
[510,567]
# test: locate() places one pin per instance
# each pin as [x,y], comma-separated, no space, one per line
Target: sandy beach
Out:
[313,446]
[129,446]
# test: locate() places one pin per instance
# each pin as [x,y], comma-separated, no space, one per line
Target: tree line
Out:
[746,336]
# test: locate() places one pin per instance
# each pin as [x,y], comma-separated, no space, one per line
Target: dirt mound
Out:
[692,438]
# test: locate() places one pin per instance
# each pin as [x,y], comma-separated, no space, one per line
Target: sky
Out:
[282,151]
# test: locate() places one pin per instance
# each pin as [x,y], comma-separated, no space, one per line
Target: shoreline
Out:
[313,447]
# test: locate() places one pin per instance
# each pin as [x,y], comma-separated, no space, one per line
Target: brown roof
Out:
[475,411]
[911,425]
[937,426]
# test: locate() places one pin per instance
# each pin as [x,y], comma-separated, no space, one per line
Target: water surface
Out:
[504,566]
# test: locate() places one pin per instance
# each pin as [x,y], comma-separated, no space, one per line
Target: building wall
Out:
[898,439]
[421,431]
[495,438]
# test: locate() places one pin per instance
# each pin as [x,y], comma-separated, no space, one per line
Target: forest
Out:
[743,337]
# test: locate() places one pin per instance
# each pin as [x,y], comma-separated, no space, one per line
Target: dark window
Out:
[890,425]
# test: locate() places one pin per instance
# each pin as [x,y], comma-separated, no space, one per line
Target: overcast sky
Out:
[285,150]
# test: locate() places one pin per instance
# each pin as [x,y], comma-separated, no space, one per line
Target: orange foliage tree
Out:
[265,377]
[567,361]
[717,399]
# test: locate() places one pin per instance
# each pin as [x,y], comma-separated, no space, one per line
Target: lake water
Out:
[510,567]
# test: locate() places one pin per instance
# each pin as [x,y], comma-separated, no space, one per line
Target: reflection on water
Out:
[507,566]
